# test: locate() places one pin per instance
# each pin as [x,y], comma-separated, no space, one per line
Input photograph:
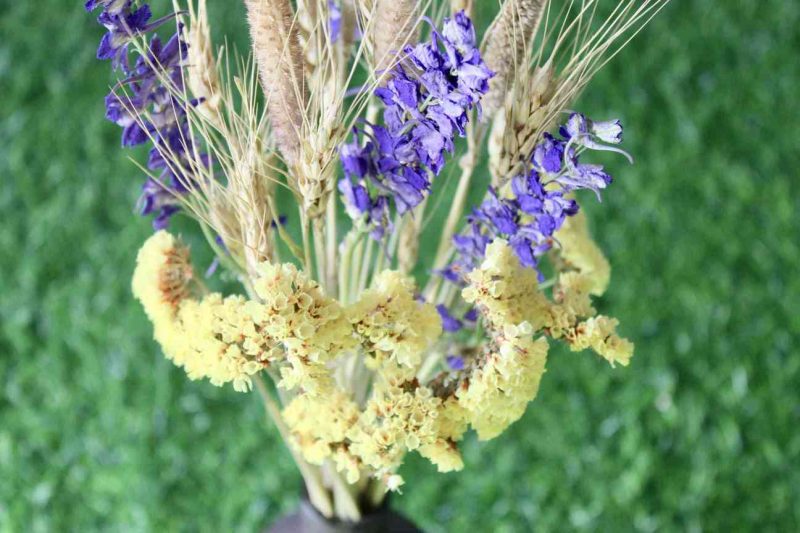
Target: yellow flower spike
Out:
[579,251]
[202,336]
[499,391]
[403,415]
[295,311]
[391,323]
[319,427]
[228,340]
[506,292]
[162,276]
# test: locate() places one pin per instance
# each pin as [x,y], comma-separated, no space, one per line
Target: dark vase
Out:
[308,520]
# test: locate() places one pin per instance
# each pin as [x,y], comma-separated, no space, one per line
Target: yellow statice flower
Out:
[599,333]
[320,425]
[200,336]
[391,323]
[402,416]
[504,291]
[161,281]
[508,294]
[228,340]
[213,342]
[500,388]
[310,326]
[579,251]
[295,310]
[571,303]
[453,419]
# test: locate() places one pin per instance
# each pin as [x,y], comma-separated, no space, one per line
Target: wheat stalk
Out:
[202,75]
[507,44]
[396,23]
[276,47]
[576,51]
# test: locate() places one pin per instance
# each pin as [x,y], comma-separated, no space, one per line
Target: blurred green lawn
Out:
[98,431]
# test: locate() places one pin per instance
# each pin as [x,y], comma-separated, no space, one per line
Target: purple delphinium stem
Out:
[427,101]
[537,204]
[147,108]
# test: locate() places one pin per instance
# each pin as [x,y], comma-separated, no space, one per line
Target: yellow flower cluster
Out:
[230,339]
[506,376]
[508,379]
[391,324]
[311,327]
[508,294]
[161,282]
[295,328]
[599,334]
[589,275]
[400,416]
[205,337]
[320,426]
[505,292]
[579,251]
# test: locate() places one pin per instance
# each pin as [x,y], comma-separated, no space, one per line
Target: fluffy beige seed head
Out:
[395,26]
[408,247]
[276,47]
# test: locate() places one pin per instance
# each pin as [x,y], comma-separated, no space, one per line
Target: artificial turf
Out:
[99,432]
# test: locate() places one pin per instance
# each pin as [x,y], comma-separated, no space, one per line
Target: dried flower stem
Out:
[319,497]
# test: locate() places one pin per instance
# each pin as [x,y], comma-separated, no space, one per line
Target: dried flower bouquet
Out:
[354,110]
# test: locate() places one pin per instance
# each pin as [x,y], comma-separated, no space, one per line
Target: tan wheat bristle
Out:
[395,26]
[506,45]
[276,47]
[203,79]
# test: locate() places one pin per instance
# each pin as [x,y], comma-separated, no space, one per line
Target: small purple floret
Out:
[144,107]
[455,362]
[450,324]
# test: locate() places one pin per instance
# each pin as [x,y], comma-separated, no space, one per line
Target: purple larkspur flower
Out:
[123,24]
[548,155]
[450,323]
[145,107]
[455,362]
[122,27]
[109,6]
[426,100]
[471,315]
[535,205]
[609,131]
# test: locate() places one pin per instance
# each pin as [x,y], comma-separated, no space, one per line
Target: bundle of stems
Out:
[330,170]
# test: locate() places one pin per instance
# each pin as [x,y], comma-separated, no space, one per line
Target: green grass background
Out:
[99,432]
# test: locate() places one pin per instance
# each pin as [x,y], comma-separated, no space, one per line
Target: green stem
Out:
[317,494]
